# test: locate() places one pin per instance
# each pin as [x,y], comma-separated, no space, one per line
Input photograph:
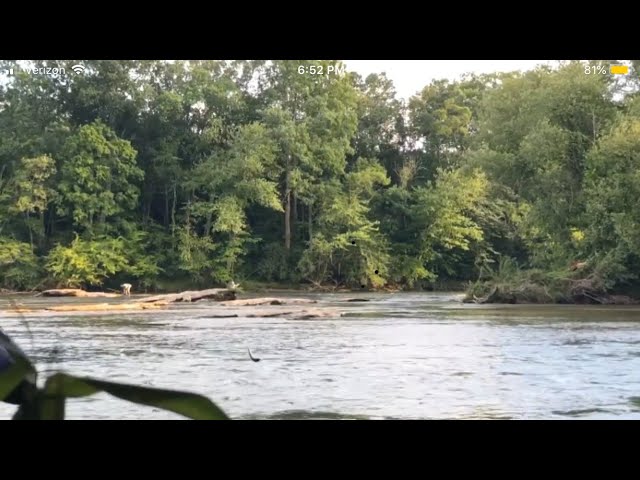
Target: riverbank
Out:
[518,287]
[255,287]
[537,287]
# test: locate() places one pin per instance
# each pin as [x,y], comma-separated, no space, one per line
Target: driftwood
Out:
[315,313]
[20,310]
[217,294]
[298,314]
[100,307]
[489,298]
[357,300]
[322,288]
[76,292]
[266,301]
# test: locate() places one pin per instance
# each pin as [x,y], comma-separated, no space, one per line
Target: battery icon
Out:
[619,69]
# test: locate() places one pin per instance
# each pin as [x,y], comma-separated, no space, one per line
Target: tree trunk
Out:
[173,212]
[147,199]
[146,214]
[207,225]
[43,226]
[310,224]
[287,208]
[102,218]
[30,231]
[295,209]
[51,215]
[166,205]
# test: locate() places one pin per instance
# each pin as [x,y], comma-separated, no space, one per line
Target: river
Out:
[398,356]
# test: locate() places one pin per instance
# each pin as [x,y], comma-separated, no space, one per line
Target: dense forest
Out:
[194,173]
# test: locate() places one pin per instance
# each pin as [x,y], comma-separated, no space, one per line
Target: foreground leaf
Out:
[51,401]
[15,367]
[14,351]
[12,377]
[190,405]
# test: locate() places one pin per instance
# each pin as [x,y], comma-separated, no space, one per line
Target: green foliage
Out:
[90,262]
[143,261]
[20,268]
[612,188]
[196,252]
[31,183]
[273,264]
[215,170]
[86,262]
[349,248]
[98,177]
[443,216]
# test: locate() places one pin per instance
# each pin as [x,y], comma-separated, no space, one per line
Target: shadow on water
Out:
[581,412]
[309,415]
[322,415]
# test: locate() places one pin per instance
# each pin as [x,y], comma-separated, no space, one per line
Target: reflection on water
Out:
[398,356]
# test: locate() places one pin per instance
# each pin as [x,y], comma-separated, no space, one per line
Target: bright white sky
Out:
[411,76]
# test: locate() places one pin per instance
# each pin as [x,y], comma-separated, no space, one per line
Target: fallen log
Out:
[357,300]
[269,314]
[315,313]
[266,301]
[76,292]
[99,307]
[20,310]
[216,294]
[622,300]
[298,314]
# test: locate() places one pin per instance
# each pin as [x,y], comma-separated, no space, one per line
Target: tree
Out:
[381,131]
[33,191]
[612,189]
[312,118]
[348,248]
[99,177]
[226,185]
[19,266]
[441,123]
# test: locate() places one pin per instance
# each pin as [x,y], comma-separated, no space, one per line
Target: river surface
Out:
[398,356]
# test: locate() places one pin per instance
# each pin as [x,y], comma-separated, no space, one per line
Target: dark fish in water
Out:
[252,357]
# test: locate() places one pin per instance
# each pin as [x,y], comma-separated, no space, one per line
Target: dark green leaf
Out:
[13,376]
[19,367]
[190,405]
[51,401]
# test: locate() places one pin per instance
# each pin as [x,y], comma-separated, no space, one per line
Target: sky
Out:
[411,76]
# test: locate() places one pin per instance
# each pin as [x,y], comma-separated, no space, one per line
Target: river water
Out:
[398,356]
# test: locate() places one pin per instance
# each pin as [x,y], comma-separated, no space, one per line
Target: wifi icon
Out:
[78,69]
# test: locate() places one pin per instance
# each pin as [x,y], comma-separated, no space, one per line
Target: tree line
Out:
[204,171]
